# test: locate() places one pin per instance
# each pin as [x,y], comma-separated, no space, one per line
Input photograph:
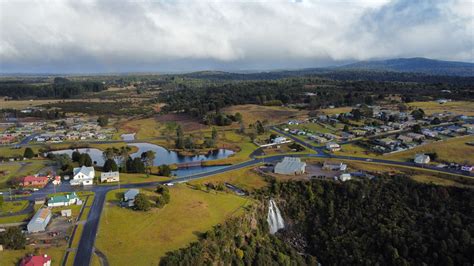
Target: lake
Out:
[162,155]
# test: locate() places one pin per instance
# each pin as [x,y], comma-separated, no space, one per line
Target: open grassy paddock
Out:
[22,104]
[123,232]
[457,107]
[273,114]
[243,178]
[450,150]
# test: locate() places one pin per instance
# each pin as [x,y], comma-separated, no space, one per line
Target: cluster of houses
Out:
[69,129]
[84,176]
[410,140]
[37,181]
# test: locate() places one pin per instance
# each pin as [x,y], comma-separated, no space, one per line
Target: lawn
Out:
[130,237]
[244,178]
[332,111]
[13,257]
[313,127]
[13,206]
[450,150]
[457,107]
[273,114]
[21,168]
[129,178]
[353,149]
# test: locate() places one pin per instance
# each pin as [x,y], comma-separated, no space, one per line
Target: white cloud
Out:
[106,35]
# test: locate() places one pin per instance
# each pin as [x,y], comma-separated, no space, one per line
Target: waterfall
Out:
[275,221]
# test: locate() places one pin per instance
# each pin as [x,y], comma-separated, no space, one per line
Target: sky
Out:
[113,36]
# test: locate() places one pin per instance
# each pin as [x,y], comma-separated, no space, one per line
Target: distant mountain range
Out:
[415,65]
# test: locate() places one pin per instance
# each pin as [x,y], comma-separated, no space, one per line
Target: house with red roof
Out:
[33,181]
[42,260]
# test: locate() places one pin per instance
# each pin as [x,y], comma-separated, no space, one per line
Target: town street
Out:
[87,241]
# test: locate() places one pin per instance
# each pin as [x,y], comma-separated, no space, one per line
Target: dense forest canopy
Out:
[61,88]
[383,221]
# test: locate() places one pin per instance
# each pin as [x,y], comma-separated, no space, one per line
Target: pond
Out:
[162,156]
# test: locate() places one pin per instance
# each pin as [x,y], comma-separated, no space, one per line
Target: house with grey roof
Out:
[129,197]
[83,176]
[290,166]
[422,159]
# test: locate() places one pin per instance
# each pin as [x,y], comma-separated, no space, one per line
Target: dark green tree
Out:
[28,153]
[13,238]
[142,203]
[179,143]
[103,121]
[110,165]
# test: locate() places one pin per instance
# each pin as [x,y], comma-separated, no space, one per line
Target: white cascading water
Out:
[275,221]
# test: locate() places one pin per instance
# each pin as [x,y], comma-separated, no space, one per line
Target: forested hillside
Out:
[397,221]
[392,221]
[309,93]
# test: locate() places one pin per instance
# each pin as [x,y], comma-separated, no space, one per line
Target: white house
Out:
[422,159]
[83,176]
[279,140]
[332,146]
[109,177]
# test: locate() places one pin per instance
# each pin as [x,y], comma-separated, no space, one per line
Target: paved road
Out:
[87,241]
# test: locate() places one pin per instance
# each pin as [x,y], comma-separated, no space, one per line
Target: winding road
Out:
[86,245]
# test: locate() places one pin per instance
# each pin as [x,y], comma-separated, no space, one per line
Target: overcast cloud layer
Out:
[120,36]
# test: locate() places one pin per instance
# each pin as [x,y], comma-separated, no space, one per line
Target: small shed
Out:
[66,213]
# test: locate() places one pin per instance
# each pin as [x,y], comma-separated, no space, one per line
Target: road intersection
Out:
[87,241]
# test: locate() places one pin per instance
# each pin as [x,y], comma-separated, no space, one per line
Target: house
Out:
[57,180]
[416,136]
[330,136]
[109,177]
[344,177]
[405,139]
[334,166]
[422,159]
[290,166]
[41,260]
[332,146]
[129,197]
[319,139]
[279,140]
[39,221]
[387,142]
[83,176]
[63,200]
[429,133]
[33,181]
